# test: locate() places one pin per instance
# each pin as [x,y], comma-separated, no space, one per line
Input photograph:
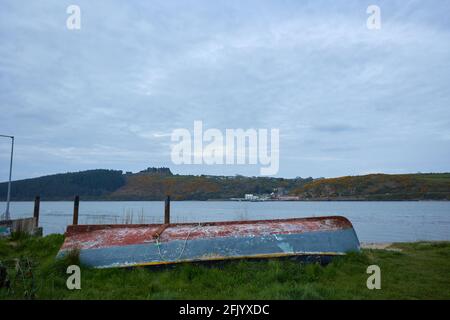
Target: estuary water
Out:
[381,221]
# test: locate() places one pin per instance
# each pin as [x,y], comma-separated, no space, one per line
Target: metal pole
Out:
[7,215]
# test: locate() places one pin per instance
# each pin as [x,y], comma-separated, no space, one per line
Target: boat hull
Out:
[104,246]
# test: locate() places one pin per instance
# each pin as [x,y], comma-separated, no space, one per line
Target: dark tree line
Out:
[88,184]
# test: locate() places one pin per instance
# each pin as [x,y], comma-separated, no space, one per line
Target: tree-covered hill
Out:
[156,183]
[188,187]
[89,184]
[149,184]
[430,186]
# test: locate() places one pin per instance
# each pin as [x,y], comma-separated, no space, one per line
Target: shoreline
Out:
[227,200]
[392,246]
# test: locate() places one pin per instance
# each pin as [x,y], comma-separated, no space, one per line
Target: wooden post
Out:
[37,202]
[167,211]
[76,205]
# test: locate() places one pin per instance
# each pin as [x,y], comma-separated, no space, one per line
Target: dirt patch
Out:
[379,246]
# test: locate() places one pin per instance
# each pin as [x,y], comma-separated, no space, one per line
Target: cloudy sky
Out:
[347,100]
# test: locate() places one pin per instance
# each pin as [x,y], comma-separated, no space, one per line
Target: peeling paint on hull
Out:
[105,246]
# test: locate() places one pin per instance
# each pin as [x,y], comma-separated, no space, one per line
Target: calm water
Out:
[373,221]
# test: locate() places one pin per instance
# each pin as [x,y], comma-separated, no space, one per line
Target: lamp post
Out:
[8,197]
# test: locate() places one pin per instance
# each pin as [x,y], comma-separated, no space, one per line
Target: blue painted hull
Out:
[308,244]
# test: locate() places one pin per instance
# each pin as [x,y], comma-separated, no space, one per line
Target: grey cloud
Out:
[137,70]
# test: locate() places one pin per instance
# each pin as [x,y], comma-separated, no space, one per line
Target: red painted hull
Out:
[98,236]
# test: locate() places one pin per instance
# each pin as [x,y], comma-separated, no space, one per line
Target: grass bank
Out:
[419,271]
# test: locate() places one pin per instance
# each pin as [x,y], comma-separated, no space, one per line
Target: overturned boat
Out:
[105,246]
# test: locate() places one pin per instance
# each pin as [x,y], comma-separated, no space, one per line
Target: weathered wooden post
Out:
[76,205]
[37,202]
[167,211]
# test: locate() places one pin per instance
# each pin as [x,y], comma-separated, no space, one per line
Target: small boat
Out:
[127,245]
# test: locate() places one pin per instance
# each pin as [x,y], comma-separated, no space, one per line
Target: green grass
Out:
[420,271]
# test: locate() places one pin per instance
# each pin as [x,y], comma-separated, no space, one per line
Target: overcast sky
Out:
[347,100]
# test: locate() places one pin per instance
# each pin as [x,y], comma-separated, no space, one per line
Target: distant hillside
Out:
[378,187]
[155,183]
[89,184]
[149,184]
[180,187]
